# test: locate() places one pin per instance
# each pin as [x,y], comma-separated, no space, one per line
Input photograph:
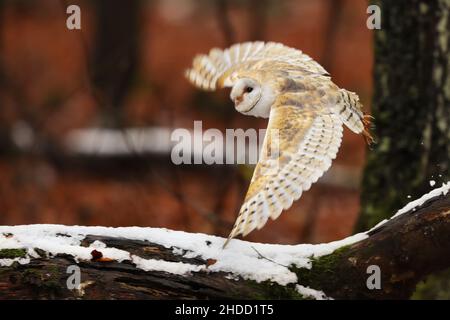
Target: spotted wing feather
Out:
[216,69]
[309,139]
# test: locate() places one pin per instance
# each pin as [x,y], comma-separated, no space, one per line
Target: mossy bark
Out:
[411,106]
[12,253]
[406,249]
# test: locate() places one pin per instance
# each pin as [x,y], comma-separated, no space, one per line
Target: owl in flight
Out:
[304,107]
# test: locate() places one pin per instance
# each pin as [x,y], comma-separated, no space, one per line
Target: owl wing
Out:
[218,67]
[302,138]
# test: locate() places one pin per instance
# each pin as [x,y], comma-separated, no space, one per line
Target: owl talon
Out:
[367,122]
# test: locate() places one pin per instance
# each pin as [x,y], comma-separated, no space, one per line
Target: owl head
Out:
[251,98]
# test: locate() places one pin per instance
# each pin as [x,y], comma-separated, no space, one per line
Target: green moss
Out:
[323,267]
[47,279]
[270,290]
[43,280]
[434,287]
[12,253]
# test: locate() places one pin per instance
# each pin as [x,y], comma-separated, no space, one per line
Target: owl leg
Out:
[367,121]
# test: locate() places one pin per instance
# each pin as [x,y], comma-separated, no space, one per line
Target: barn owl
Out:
[271,80]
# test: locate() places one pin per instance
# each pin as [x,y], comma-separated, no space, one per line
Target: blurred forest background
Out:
[124,70]
[123,73]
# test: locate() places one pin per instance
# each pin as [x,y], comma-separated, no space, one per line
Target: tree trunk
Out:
[115,56]
[406,248]
[411,106]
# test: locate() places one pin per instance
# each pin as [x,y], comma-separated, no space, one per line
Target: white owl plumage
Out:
[305,109]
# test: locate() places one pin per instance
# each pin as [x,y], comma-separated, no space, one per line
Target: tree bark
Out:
[115,56]
[406,249]
[410,105]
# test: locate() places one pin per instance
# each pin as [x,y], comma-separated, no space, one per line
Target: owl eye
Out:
[248,89]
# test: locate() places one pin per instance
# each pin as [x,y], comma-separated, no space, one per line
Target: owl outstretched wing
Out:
[298,148]
[216,69]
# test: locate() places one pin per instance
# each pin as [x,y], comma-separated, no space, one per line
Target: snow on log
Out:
[42,261]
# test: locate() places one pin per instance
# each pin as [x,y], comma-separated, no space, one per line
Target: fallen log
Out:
[72,262]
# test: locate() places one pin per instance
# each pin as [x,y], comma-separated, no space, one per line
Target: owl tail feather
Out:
[226,242]
[232,234]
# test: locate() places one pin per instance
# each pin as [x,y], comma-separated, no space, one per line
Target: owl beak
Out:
[237,100]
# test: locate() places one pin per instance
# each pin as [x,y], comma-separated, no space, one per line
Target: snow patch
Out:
[165,266]
[413,205]
[252,261]
[9,262]
[98,245]
[443,190]
[308,292]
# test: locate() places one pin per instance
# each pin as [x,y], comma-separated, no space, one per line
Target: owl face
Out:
[245,94]
[252,98]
